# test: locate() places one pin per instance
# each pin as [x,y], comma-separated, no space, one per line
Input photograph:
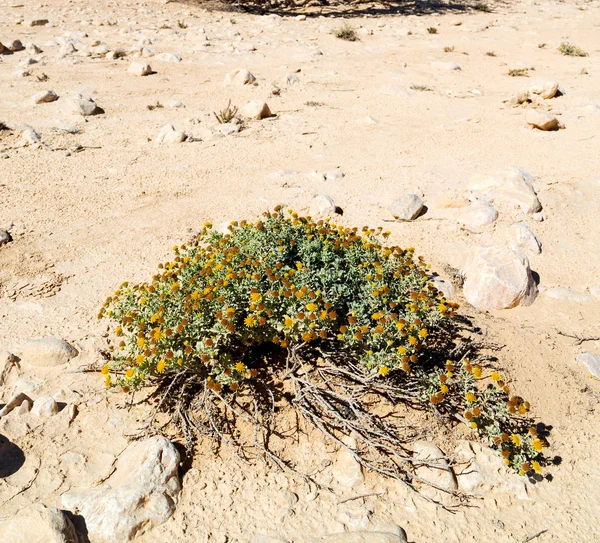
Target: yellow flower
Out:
[230,311]
[423,333]
[413,340]
[105,369]
[288,323]
[139,359]
[442,308]
[255,297]
[470,397]
[250,321]
[157,334]
[400,325]
[129,373]
[444,389]
[477,371]
[240,366]
[496,376]
[384,370]
[160,367]
[538,445]
[536,466]
[376,316]
[401,350]
[516,439]
[311,307]
[141,342]
[119,330]
[107,381]
[299,265]
[143,301]
[473,424]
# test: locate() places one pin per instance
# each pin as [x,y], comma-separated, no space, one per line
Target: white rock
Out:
[450,66]
[479,213]
[591,361]
[67,48]
[32,49]
[44,406]
[139,68]
[568,295]
[168,134]
[444,286]
[29,136]
[44,97]
[360,537]
[438,472]
[523,238]
[346,469]
[85,107]
[24,408]
[228,128]
[168,57]
[38,524]
[544,87]
[292,79]
[498,278]
[407,207]
[543,120]
[47,352]
[322,205]
[257,109]
[175,104]
[239,77]
[334,175]
[16,401]
[140,494]
[510,185]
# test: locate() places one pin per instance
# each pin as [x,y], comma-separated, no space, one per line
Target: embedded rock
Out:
[522,238]
[542,120]
[139,68]
[407,208]
[239,77]
[45,96]
[38,524]
[44,406]
[85,107]
[16,401]
[168,134]
[48,352]
[168,57]
[477,214]
[140,494]
[323,205]
[435,468]
[543,87]
[346,470]
[498,278]
[568,295]
[592,362]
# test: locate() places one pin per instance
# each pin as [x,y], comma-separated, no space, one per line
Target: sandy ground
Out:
[87,218]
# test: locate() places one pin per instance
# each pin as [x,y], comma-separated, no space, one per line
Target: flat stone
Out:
[256,110]
[437,472]
[568,295]
[141,493]
[168,57]
[407,208]
[346,469]
[47,352]
[498,278]
[542,120]
[85,107]
[38,524]
[591,361]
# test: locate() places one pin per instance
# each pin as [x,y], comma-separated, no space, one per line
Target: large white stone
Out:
[139,68]
[477,214]
[256,110]
[140,494]
[322,205]
[543,86]
[347,471]
[47,352]
[44,406]
[38,524]
[510,185]
[592,362]
[498,278]
[542,120]
[435,468]
[407,207]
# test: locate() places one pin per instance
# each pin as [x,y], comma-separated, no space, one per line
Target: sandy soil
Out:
[105,205]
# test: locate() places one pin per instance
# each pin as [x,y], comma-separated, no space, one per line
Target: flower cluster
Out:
[285,280]
[485,405]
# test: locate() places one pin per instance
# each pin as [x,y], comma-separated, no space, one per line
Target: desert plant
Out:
[182,24]
[482,7]
[490,53]
[346,32]
[571,50]
[3,126]
[329,313]
[227,114]
[432,30]
[422,88]
[448,49]
[518,72]
[152,107]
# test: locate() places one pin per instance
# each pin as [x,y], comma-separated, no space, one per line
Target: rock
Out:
[240,77]
[168,57]
[544,87]
[139,68]
[450,199]
[32,49]
[44,97]
[444,286]
[292,79]
[257,110]
[168,134]
[360,537]
[38,524]
[175,104]
[45,406]
[85,107]
[591,362]
[437,472]
[346,469]
[29,136]
[260,538]
[140,494]
[407,207]
[5,237]
[24,408]
[323,205]
[334,175]
[521,237]
[510,185]
[542,120]
[48,352]
[392,529]
[14,402]
[568,295]
[228,128]
[67,48]
[38,22]
[14,46]
[480,469]
[7,362]
[477,214]
[594,291]
[498,278]
[450,66]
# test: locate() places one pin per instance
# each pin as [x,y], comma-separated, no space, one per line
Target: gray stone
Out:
[32,49]
[44,406]
[140,494]
[334,175]
[14,46]
[256,110]
[85,107]
[44,97]
[292,79]
[444,286]
[139,68]
[29,136]
[498,278]
[228,128]
[5,237]
[591,361]
[407,207]
[38,524]
[542,120]
[48,352]
[568,295]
